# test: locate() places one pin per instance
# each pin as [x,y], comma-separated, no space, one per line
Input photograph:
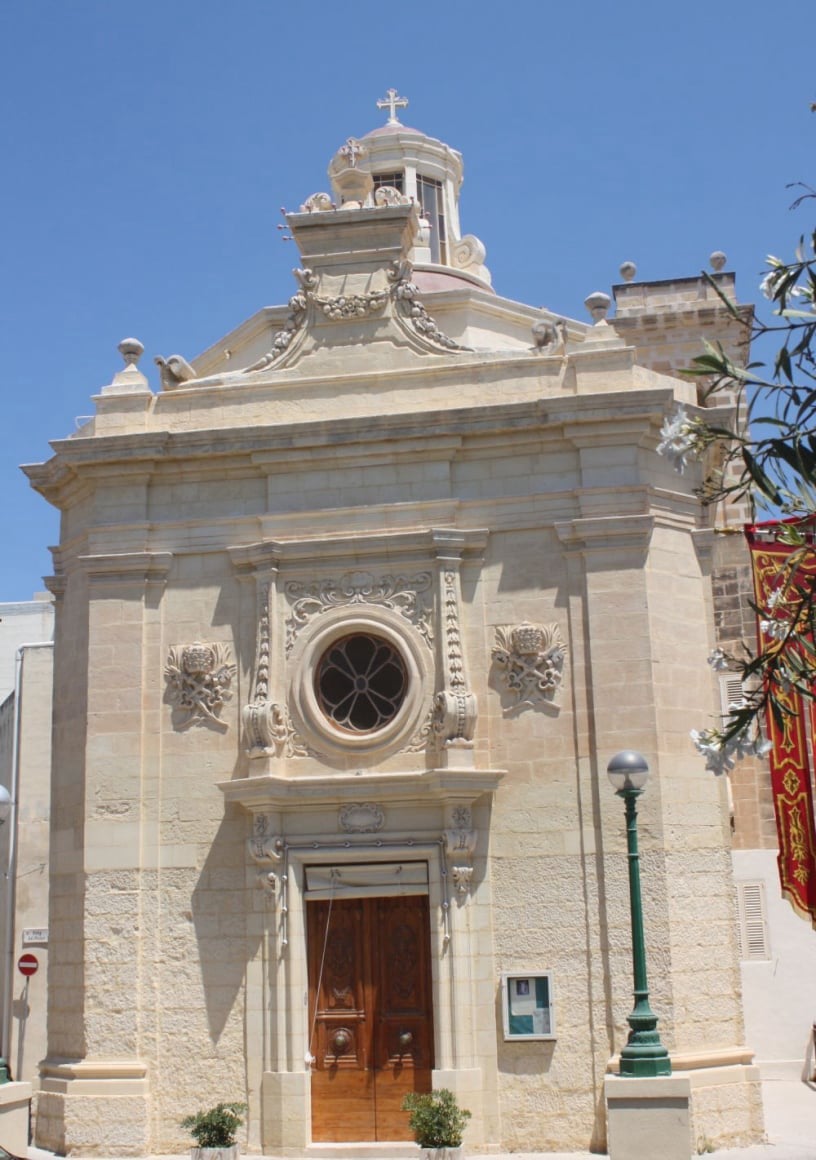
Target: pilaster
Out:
[101,1005]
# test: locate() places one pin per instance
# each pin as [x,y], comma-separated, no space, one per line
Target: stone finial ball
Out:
[598,305]
[717,260]
[131,350]
[628,271]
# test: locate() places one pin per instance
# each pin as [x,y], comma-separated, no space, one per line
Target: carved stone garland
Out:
[409,307]
[198,680]
[531,659]
[267,723]
[265,849]
[460,842]
[403,293]
[408,595]
[454,706]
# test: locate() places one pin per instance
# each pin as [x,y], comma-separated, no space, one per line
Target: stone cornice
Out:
[422,543]
[266,791]
[615,417]
[127,567]
[436,367]
[611,407]
[606,534]
[211,360]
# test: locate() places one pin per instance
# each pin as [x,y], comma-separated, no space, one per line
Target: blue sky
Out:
[148,147]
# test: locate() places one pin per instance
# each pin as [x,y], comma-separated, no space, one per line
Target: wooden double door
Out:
[370,1014]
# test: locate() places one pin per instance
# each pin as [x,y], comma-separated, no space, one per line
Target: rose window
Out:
[360,682]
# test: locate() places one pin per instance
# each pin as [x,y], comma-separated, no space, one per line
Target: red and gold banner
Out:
[791,756]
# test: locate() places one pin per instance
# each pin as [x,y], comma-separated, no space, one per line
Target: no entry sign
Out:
[27,964]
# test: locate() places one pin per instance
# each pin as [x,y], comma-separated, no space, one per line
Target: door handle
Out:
[406,1038]
[341,1041]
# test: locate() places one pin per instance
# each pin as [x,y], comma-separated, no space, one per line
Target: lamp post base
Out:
[644,1055]
[645,1064]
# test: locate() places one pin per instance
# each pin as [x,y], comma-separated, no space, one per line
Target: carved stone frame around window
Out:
[403,585]
[322,734]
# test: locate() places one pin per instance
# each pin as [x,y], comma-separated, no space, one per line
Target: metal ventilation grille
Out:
[731,692]
[753,924]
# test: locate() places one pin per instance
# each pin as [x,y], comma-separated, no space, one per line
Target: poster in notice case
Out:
[527,1005]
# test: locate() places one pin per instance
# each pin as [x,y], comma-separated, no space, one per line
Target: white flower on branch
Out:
[774,598]
[775,629]
[722,754]
[768,285]
[718,660]
[710,744]
[678,439]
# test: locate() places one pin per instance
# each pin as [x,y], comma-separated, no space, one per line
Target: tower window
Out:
[431,200]
[395,180]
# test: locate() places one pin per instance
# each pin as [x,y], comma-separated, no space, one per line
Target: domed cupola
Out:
[397,164]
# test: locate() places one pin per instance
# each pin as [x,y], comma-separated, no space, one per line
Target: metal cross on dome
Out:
[392,102]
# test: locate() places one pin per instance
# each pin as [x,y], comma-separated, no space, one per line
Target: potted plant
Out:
[437,1122]
[214,1131]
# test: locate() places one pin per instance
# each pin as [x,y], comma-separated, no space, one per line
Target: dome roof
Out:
[392,127]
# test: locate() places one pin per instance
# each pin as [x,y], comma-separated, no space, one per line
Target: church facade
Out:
[351,615]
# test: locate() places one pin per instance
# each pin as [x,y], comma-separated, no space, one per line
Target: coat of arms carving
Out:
[531,658]
[198,679]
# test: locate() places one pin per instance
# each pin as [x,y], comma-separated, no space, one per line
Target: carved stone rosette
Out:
[531,660]
[198,680]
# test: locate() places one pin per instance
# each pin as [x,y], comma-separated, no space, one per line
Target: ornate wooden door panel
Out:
[342,1079]
[373,1032]
[403,1054]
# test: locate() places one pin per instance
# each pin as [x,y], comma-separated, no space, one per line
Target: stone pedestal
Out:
[15,1102]
[648,1117]
[286,1125]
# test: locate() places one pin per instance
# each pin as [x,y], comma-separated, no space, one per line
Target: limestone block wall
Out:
[630,595]
[169,987]
[66,1035]
[667,321]
[150,930]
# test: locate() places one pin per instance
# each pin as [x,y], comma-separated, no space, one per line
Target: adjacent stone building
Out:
[351,616]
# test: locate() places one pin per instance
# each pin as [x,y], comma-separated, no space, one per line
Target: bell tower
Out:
[397,164]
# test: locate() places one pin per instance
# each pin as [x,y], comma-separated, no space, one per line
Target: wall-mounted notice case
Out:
[527,1005]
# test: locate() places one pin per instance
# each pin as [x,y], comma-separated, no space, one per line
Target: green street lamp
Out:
[644,1054]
